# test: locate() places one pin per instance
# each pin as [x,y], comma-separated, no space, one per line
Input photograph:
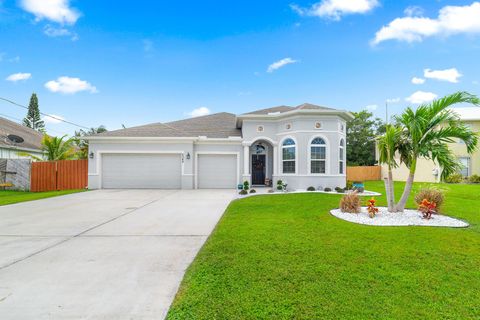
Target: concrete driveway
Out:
[107,254]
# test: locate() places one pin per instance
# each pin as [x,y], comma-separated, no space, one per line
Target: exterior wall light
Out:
[91,155]
[188,155]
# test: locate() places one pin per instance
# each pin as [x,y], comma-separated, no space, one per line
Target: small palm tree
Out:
[426,133]
[388,144]
[56,148]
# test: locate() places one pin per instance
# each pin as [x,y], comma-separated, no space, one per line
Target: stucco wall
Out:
[302,130]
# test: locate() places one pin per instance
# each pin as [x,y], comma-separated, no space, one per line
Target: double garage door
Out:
[164,171]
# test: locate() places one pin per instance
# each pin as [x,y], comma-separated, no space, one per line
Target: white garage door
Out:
[217,171]
[141,171]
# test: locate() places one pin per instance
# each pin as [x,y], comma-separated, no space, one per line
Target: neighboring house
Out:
[428,171]
[303,146]
[32,140]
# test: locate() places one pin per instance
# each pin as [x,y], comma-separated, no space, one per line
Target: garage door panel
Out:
[217,171]
[137,171]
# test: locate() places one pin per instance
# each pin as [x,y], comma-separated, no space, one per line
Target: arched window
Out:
[318,156]
[341,156]
[288,156]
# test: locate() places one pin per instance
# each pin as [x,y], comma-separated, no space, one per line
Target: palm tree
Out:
[56,148]
[426,133]
[82,144]
[388,144]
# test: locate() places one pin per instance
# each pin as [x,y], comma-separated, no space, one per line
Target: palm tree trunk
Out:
[391,192]
[408,187]
[387,190]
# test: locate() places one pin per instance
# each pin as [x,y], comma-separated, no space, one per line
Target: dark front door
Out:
[258,169]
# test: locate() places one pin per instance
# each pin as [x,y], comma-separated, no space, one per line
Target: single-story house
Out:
[302,146]
[32,140]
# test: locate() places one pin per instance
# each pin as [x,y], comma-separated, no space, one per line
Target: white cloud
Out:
[416,80]
[59,32]
[420,97]
[413,11]
[19,77]
[53,10]
[451,20]
[280,63]
[371,107]
[53,118]
[335,9]
[14,59]
[393,100]
[450,75]
[198,112]
[475,82]
[70,85]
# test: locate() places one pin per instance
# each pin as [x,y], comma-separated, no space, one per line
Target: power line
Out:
[20,120]
[44,114]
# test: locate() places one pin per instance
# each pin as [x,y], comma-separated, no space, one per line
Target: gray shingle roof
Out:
[280,109]
[33,139]
[218,125]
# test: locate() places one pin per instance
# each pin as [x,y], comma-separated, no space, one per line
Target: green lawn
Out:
[10,197]
[286,257]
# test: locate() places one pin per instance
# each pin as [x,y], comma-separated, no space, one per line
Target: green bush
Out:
[253,191]
[475,178]
[311,188]
[349,185]
[327,189]
[243,192]
[454,178]
[246,185]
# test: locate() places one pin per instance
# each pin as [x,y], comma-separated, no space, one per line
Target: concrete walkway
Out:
[107,254]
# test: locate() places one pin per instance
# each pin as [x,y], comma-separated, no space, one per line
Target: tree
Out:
[82,143]
[426,132]
[33,119]
[361,133]
[388,144]
[56,148]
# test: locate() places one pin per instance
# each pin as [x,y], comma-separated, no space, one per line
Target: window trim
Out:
[280,149]
[327,155]
[342,149]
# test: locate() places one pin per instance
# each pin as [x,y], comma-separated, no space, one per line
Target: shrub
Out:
[311,188]
[349,185]
[327,189]
[432,195]
[427,208]
[246,185]
[341,190]
[279,185]
[454,178]
[475,178]
[253,191]
[243,192]
[371,209]
[350,203]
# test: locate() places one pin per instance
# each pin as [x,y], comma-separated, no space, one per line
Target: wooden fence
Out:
[364,173]
[59,175]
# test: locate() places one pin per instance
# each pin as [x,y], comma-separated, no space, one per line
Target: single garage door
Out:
[217,171]
[141,171]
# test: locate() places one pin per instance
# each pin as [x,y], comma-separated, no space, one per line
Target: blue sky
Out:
[92,62]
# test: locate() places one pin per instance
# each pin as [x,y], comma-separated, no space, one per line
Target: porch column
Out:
[275,160]
[246,158]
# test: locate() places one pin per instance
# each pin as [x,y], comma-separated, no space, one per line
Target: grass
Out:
[10,197]
[286,257]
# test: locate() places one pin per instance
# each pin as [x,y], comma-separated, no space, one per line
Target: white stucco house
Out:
[303,146]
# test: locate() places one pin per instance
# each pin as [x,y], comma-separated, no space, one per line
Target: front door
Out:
[258,169]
